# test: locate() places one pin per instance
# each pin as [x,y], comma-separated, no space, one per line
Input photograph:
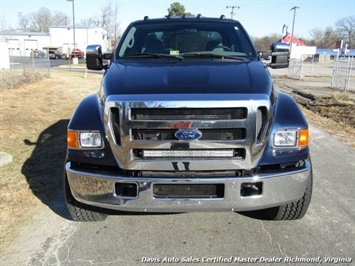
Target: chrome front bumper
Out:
[277,189]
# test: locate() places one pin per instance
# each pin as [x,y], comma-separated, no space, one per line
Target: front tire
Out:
[80,211]
[293,210]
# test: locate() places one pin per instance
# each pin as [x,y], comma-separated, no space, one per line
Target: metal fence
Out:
[343,74]
[24,70]
[299,68]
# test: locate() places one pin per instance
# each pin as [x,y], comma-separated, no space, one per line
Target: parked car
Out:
[64,56]
[54,54]
[77,53]
[37,54]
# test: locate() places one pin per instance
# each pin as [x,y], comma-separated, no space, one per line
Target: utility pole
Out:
[293,25]
[73,25]
[232,7]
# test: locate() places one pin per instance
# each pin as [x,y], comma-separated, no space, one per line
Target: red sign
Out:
[339,44]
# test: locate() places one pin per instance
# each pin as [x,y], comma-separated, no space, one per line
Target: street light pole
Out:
[293,25]
[73,25]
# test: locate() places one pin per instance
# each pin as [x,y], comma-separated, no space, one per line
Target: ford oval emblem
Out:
[188,134]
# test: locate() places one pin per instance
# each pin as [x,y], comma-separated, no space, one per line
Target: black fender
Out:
[287,115]
[89,116]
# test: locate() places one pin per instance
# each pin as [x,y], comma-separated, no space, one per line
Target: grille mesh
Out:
[261,119]
[188,113]
[115,123]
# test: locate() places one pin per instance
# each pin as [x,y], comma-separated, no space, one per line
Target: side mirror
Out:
[280,55]
[94,57]
[264,55]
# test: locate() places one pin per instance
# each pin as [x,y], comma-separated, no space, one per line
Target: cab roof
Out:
[198,17]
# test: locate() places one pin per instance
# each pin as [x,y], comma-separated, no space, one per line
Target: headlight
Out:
[90,140]
[84,140]
[285,138]
[291,138]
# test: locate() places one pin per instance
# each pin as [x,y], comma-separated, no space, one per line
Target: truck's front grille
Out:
[187,132]
[188,113]
[218,134]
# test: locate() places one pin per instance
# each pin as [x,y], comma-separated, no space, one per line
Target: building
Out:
[62,36]
[22,43]
[58,37]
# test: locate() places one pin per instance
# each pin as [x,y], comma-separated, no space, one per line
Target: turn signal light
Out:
[303,138]
[72,139]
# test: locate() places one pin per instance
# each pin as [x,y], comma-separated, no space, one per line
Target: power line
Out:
[266,13]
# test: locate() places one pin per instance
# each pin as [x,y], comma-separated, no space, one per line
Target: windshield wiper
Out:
[149,55]
[213,55]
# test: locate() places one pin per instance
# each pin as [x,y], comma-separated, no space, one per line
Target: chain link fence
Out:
[300,68]
[24,70]
[343,74]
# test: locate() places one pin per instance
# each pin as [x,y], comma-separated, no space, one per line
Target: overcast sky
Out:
[259,17]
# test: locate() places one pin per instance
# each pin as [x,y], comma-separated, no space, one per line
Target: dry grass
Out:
[13,78]
[339,130]
[33,119]
[334,114]
[341,97]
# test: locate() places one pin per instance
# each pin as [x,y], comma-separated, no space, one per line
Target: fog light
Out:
[228,153]
[90,140]
[285,138]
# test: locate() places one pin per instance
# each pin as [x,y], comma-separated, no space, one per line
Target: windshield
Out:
[186,39]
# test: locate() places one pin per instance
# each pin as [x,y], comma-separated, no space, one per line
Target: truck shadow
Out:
[45,168]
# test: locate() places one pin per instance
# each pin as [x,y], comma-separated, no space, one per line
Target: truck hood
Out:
[187,77]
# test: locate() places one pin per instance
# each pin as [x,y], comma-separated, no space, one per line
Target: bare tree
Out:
[60,18]
[23,22]
[40,20]
[330,37]
[264,43]
[346,27]
[107,20]
[89,22]
[317,35]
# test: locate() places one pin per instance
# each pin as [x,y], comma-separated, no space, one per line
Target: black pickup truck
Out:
[187,119]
